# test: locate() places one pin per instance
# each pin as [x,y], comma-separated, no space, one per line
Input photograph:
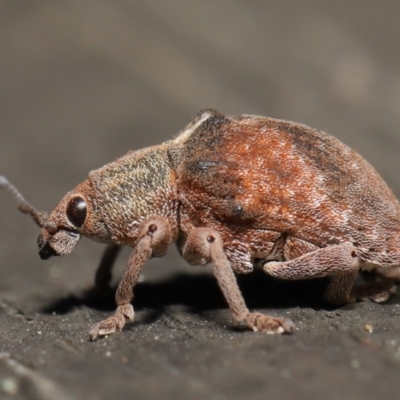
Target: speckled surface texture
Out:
[81,83]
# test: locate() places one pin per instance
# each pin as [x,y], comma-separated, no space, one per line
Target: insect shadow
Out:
[200,292]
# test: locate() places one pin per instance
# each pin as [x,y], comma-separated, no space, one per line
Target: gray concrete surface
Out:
[83,82]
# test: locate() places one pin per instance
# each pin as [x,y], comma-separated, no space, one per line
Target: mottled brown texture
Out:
[263,174]
[236,192]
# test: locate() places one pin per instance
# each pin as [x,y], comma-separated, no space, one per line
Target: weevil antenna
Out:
[40,217]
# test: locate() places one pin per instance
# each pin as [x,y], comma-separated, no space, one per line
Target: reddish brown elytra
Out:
[230,191]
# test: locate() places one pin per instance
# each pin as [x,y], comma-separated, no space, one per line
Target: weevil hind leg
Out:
[309,261]
[378,292]
[380,285]
[154,238]
[204,245]
[340,261]
[390,273]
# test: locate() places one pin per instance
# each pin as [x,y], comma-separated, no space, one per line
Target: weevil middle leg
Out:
[205,245]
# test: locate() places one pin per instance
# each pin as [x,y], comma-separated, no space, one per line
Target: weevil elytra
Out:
[233,192]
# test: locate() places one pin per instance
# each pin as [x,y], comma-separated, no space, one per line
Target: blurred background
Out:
[83,82]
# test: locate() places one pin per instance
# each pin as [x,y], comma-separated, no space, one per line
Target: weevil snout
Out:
[45,250]
[58,244]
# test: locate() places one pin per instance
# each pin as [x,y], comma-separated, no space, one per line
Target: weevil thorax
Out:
[133,188]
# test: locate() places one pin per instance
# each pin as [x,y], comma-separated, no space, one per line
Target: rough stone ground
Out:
[80,84]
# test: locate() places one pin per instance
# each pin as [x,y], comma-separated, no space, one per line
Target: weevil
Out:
[236,192]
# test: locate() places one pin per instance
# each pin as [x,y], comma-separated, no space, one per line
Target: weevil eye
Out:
[76,211]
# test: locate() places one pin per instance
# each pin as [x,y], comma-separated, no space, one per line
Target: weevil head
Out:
[113,202]
[62,228]
[75,215]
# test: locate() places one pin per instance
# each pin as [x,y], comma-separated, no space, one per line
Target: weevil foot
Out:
[264,323]
[378,292]
[112,324]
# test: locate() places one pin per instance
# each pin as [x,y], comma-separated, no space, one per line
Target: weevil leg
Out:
[154,239]
[204,245]
[390,273]
[340,288]
[379,287]
[101,292]
[380,284]
[339,261]
[103,274]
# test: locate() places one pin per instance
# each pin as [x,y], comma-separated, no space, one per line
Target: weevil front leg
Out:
[101,291]
[103,275]
[340,261]
[204,245]
[153,240]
